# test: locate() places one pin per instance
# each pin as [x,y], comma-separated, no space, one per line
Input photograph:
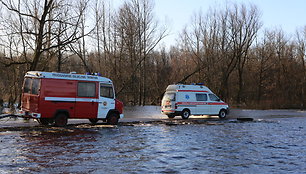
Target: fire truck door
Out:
[106,99]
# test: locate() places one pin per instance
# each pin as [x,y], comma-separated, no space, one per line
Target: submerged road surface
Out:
[153,114]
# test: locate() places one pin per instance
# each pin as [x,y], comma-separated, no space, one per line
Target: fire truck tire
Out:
[185,114]
[45,121]
[93,120]
[112,119]
[61,120]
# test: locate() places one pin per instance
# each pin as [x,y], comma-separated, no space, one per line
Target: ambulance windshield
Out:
[169,96]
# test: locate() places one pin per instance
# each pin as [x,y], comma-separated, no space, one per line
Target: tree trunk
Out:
[240,86]
[303,100]
[39,39]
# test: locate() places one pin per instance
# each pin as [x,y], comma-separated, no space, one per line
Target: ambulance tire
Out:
[171,116]
[222,114]
[185,114]
[112,119]
[93,120]
[61,120]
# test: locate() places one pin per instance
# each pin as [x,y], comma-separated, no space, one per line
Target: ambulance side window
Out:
[106,90]
[201,97]
[86,89]
[213,97]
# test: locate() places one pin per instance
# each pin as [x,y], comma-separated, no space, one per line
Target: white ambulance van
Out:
[185,100]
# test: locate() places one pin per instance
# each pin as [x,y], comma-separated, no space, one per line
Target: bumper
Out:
[27,114]
[121,115]
[167,112]
[227,110]
[171,112]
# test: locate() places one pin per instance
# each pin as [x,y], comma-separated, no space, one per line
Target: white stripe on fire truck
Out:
[61,99]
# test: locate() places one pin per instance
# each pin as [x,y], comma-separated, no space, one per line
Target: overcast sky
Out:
[287,14]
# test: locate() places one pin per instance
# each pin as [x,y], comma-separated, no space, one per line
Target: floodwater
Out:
[272,143]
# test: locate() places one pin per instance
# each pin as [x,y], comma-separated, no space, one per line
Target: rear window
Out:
[169,96]
[86,89]
[31,86]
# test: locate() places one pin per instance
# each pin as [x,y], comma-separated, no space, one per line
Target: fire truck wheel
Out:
[171,116]
[61,120]
[93,120]
[44,121]
[185,114]
[112,119]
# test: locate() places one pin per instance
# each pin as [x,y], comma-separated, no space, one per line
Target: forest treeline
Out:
[226,48]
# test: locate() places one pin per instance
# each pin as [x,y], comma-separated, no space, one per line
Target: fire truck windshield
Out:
[31,86]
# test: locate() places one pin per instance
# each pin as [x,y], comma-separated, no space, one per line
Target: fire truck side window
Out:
[86,89]
[106,90]
[27,85]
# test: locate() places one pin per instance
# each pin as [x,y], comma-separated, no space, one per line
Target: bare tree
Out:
[217,48]
[219,42]
[265,55]
[36,24]
[139,35]
[301,48]
[79,47]
[243,26]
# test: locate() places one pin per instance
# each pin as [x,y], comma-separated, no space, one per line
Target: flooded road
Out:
[273,143]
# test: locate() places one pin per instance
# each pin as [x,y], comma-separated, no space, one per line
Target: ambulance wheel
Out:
[171,116]
[112,119]
[93,120]
[61,120]
[222,114]
[185,114]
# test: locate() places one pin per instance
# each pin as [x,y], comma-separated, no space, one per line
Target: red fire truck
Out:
[52,98]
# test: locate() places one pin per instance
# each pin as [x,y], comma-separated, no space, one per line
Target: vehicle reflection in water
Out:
[53,150]
[233,147]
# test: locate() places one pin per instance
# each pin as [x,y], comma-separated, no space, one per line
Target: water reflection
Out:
[251,147]
[51,150]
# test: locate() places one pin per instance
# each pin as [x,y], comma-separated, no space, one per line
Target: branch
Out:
[14,63]
[10,7]
[191,74]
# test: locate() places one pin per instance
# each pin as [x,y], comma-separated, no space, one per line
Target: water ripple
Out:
[250,147]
